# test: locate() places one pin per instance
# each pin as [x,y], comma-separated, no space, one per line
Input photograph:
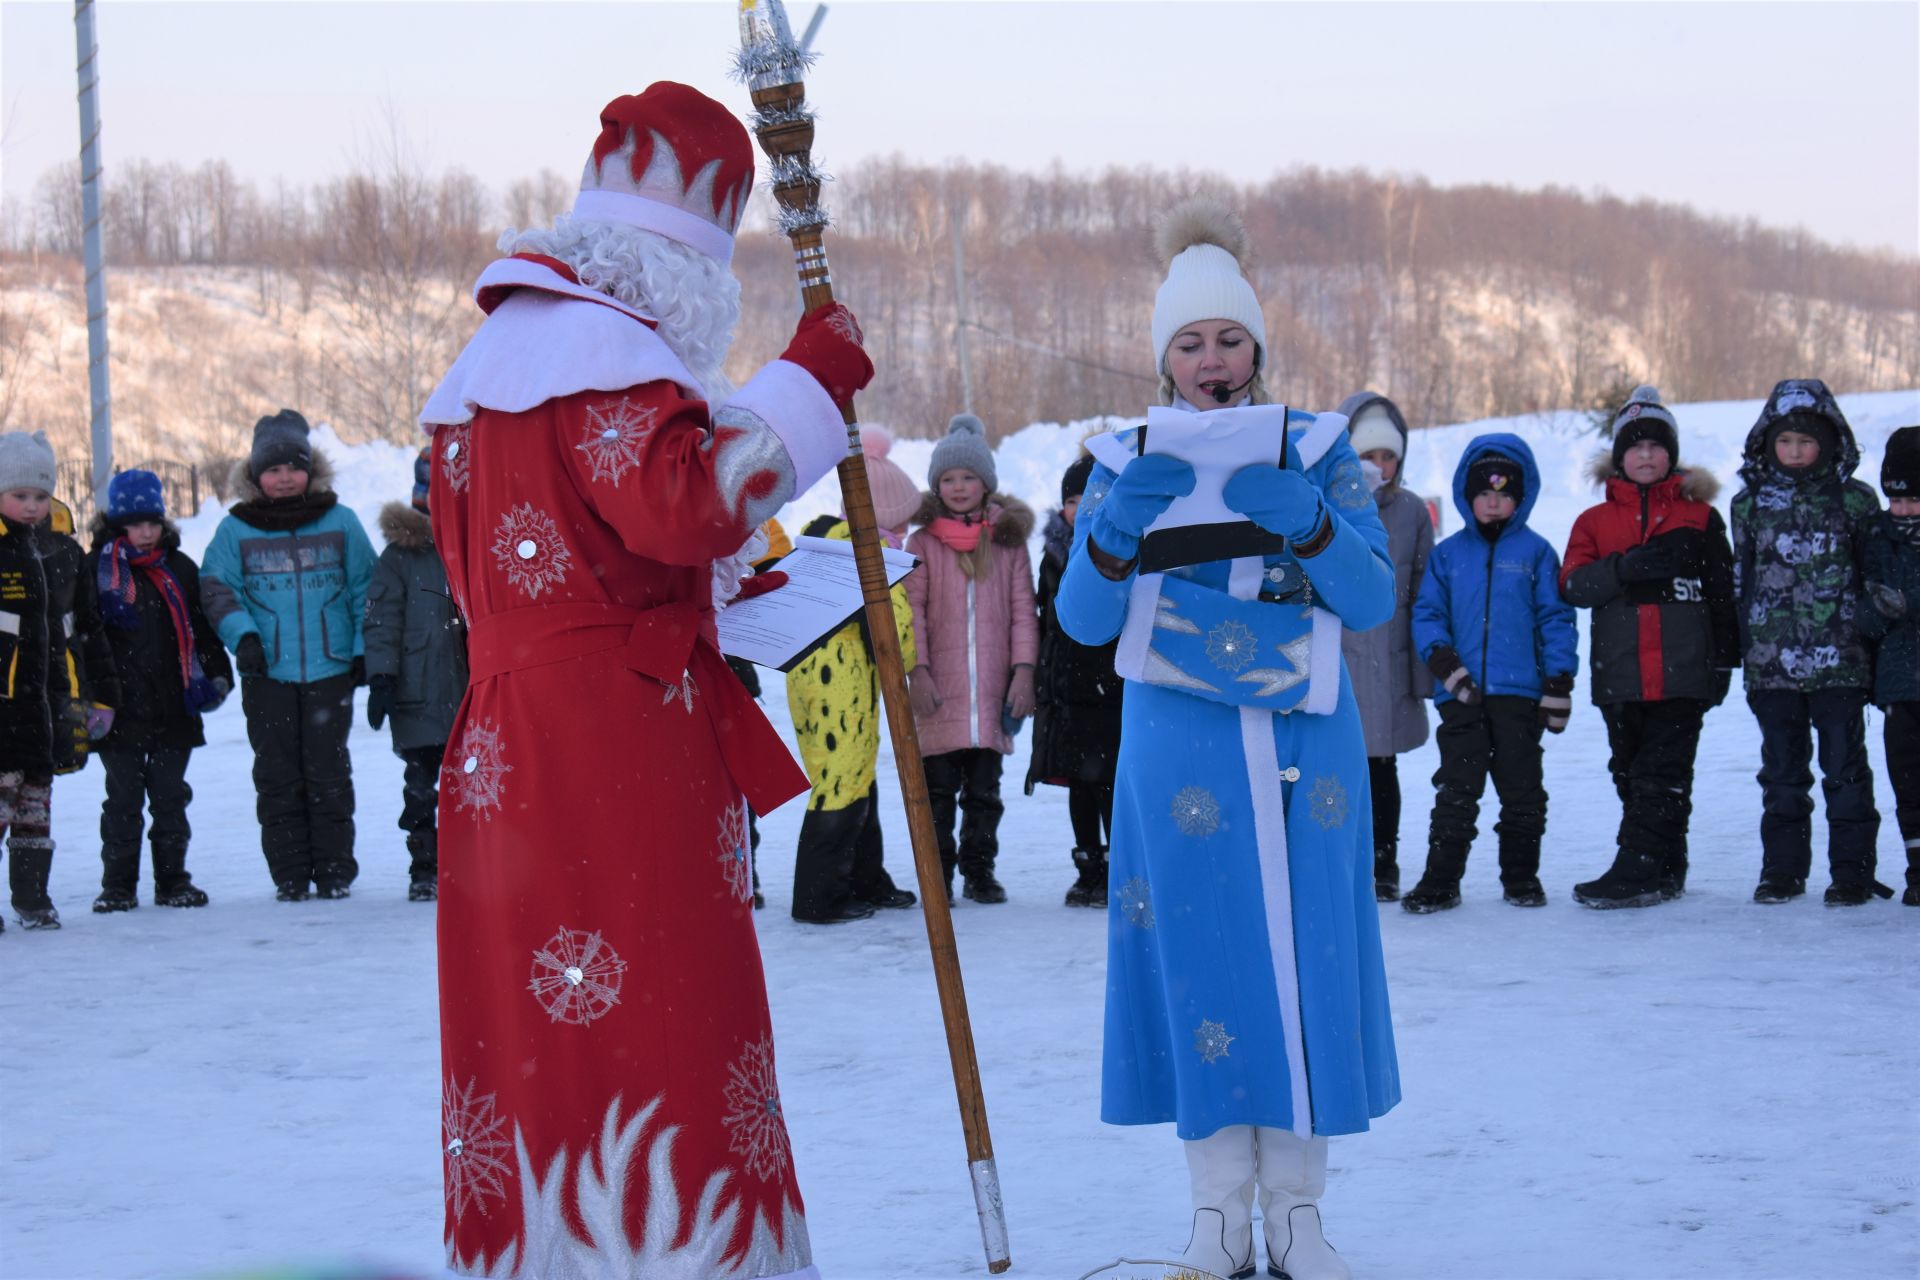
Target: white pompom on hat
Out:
[1204,246]
[26,462]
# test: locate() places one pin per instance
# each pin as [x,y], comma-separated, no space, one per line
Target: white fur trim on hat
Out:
[632,210]
[1374,429]
[1203,243]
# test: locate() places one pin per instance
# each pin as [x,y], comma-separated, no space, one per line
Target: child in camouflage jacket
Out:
[1799,529]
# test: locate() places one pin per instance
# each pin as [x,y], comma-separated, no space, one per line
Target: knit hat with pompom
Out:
[1643,417]
[895,498]
[1205,249]
[966,449]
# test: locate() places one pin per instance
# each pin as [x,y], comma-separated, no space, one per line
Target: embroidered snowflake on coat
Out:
[615,435]
[736,851]
[475,1150]
[577,976]
[1196,812]
[1327,802]
[1136,903]
[1348,486]
[681,691]
[1231,645]
[455,447]
[1210,1041]
[528,548]
[477,770]
[759,1131]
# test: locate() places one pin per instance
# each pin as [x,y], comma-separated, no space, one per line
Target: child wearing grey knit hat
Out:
[26,462]
[965,448]
[280,439]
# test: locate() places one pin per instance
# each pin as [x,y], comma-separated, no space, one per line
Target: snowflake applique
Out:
[735,843]
[1210,1041]
[1136,903]
[577,976]
[1231,645]
[1327,802]
[1196,812]
[528,548]
[455,455]
[475,1147]
[1348,487]
[681,691]
[477,771]
[753,1111]
[841,322]
[615,434]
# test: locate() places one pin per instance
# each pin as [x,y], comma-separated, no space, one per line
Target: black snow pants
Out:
[1789,720]
[1653,747]
[1500,736]
[1903,768]
[969,779]
[157,780]
[419,808]
[303,777]
[841,857]
[1090,811]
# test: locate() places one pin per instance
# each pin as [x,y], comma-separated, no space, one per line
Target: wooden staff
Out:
[773,65]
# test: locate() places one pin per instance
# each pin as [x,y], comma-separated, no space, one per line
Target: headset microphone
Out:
[1222,393]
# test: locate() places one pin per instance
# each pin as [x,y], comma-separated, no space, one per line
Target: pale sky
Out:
[1795,114]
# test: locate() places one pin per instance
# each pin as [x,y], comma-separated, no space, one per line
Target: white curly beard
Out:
[694,299]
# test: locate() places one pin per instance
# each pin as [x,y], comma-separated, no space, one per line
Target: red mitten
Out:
[759,584]
[826,343]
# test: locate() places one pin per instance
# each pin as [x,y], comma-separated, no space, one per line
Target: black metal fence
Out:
[180,482]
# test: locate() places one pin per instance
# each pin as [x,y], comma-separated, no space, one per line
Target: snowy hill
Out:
[1701,1091]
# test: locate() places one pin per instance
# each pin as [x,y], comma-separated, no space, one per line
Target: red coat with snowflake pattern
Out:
[610,1101]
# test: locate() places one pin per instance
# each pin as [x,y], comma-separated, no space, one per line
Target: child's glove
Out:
[99,722]
[1452,675]
[827,344]
[250,658]
[1556,703]
[1020,692]
[921,694]
[379,700]
[1282,502]
[1140,495]
[1891,602]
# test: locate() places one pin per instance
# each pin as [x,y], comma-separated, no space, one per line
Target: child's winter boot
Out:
[1634,880]
[1439,887]
[30,866]
[1221,1167]
[1386,872]
[172,886]
[1090,888]
[1293,1177]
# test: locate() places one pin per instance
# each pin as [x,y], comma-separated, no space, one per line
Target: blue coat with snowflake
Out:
[1497,603]
[1245,983]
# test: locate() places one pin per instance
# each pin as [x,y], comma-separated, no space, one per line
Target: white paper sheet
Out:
[821,595]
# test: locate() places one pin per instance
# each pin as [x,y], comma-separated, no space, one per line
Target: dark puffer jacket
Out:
[152,712]
[413,632]
[1892,558]
[32,656]
[87,676]
[1660,639]
[1076,718]
[1798,539]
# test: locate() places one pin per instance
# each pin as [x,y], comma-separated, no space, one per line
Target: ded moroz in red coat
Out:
[610,1107]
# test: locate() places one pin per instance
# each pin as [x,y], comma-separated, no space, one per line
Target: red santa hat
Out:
[673,161]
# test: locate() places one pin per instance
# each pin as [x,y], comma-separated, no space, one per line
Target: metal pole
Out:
[102,398]
[957,222]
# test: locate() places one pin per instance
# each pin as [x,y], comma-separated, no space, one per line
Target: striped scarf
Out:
[117,596]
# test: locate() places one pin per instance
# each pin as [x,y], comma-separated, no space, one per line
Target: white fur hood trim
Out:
[550,337]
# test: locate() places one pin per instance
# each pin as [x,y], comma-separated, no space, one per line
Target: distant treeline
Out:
[1462,302]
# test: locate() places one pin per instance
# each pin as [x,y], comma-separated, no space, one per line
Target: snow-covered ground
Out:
[1706,1090]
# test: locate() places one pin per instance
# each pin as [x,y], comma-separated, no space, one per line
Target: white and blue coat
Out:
[1245,983]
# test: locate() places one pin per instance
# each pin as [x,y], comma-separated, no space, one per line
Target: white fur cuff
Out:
[798,410]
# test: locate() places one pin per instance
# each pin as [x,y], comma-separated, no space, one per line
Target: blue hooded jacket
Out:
[1497,603]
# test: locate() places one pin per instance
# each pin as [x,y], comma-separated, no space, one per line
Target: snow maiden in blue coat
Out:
[1501,644]
[1246,996]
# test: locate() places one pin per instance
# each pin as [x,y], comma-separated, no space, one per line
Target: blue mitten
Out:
[1282,502]
[1139,496]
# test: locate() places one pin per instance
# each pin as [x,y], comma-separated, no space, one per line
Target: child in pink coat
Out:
[977,638]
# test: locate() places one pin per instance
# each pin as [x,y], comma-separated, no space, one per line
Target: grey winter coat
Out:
[413,632]
[1390,682]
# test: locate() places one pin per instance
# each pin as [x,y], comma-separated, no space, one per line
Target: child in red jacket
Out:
[1653,563]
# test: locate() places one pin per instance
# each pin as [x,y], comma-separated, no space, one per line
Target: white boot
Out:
[1293,1176]
[1221,1167]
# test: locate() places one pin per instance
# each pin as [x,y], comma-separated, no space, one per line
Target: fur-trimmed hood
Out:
[1012,518]
[405,526]
[1697,484]
[247,489]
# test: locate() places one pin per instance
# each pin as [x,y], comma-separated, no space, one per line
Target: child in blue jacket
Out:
[1491,625]
[284,582]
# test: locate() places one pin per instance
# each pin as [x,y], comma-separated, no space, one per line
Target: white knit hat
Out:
[1373,429]
[1203,245]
